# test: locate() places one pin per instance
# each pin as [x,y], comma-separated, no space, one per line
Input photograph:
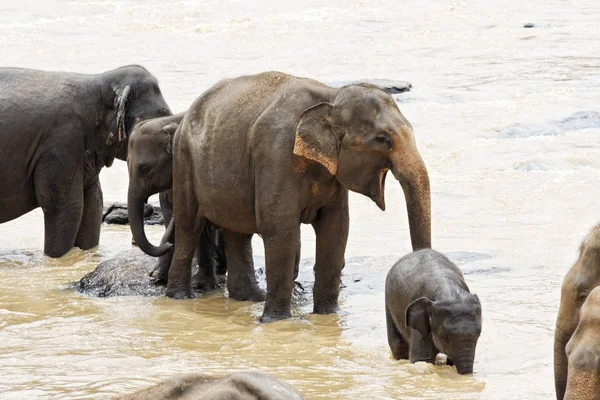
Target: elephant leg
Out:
[220,258]
[241,280]
[166,205]
[297,262]
[397,343]
[88,235]
[331,229]
[160,273]
[61,200]
[188,226]
[281,248]
[205,279]
[421,349]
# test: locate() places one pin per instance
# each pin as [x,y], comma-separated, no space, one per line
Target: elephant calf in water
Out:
[429,309]
[583,352]
[240,386]
[150,164]
[579,282]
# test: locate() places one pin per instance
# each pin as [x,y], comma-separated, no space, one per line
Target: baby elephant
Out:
[583,352]
[429,310]
[240,386]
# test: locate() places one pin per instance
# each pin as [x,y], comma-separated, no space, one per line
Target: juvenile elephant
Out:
[57,131]
[429,309]
[239,386]
[264,153]
[150,161]
[583,352]
[581,279]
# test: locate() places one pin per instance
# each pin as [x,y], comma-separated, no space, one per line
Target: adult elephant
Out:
[58,130]
[581,279]
[264,153]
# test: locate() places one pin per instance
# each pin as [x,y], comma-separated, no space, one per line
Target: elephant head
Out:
[150,165]
[583,352]
[581,279]
[454,326]
[132,95]
[359,137]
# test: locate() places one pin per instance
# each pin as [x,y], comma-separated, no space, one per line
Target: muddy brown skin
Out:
[430,310]
[581,279]
[58,130]
[583,352]
[264,153]
[240,386]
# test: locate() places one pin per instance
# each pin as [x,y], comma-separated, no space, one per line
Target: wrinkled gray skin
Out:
[583,352]
[150,162]
[58,130]
[239,386]
[429,310]
[264,153]
[581,279]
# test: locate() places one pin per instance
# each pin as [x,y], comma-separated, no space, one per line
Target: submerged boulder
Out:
[116,213]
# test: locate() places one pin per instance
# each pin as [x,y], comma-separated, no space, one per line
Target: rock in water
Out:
[117,214]
[124,275]
[387,85]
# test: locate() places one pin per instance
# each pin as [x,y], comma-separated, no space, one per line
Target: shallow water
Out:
[506,119]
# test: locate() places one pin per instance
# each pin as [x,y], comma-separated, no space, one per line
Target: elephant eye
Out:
[145,169]
[445,338]
[384,139]
[583,296]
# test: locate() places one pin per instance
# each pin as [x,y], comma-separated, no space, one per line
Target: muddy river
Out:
[507,119]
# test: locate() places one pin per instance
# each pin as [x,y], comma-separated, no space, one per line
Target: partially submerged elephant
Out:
[429,309]
[149,162]
[57,131]
[581,279]
[583,352]
[239,386]
[264,153]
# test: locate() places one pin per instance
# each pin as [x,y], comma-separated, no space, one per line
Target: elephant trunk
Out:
[464,362]
[411,172]
[561,362]
[135,210]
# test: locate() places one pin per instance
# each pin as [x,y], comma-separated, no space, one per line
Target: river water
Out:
[506,118]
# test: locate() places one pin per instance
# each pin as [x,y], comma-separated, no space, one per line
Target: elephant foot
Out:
[221,279]
[159,278]
[327,308]
[252,293]
[274,316]
[181,293]
[204,284]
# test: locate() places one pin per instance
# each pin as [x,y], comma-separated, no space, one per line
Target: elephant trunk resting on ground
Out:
[58,130]
[264,153]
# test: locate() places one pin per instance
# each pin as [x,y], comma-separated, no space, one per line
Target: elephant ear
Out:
[417,316]
[315,138]
[170,131]
[122,99]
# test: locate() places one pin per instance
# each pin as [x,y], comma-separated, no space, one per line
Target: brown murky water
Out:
[514,171]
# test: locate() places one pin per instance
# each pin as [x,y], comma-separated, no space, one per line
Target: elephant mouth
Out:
[378,192]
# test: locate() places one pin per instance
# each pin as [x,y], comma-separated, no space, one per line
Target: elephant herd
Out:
[258,154]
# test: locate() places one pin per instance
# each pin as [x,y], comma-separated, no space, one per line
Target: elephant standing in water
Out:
[57,131]
[264,153]
[583,352]
[239,386]
[581,279]
[150,162]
